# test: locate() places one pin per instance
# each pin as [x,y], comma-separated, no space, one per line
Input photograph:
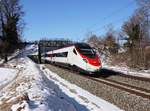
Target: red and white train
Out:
[79,56]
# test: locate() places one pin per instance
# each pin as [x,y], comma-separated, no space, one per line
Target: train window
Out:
[51,55]
[63,54]
[74,51]
[48,55]
[86,50]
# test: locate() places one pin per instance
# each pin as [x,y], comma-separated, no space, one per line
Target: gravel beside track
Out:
[122,99]
[133,82]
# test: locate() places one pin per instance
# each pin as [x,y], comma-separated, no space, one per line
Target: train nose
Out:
[94,62]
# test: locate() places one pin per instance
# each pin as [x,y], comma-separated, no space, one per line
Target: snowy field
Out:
[36,88]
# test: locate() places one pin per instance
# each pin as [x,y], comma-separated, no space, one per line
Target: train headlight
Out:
[85,60]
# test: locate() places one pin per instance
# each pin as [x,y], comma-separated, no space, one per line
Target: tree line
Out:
[134,49]
[10,26]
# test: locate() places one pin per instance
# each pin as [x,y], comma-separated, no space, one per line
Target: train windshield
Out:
[86,50]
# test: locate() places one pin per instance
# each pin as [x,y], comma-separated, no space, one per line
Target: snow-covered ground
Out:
[7,75]
[127,70]
[36,88]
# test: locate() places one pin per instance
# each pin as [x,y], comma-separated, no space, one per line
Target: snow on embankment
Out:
[7,75]
[43,95]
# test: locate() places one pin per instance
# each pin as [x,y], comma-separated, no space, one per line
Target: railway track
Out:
[132,89]
[135,81]
[124,75]
[126,87]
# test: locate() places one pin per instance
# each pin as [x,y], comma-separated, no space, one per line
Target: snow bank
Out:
[43,94]
[7,75]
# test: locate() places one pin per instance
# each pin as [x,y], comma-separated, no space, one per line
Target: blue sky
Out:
[73,19]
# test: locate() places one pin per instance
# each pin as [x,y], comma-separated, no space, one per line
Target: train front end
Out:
[89,57]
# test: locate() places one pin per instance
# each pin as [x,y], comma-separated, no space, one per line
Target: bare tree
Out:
[137,31]
[110,42]
[144,9]
[144,4]
[10,19]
